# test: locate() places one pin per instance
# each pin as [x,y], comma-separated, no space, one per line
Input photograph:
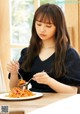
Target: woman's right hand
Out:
[13,67]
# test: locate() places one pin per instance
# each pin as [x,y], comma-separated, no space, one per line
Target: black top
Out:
[72,77]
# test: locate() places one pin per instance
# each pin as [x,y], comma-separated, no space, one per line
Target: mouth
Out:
[42,35]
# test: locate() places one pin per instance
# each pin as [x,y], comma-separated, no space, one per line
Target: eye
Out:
[38,24]
[49,26]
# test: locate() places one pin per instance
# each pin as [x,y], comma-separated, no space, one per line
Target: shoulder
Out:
[72,53]
[24,51]
[23,54]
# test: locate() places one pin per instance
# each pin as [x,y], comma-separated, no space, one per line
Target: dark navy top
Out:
[72,77]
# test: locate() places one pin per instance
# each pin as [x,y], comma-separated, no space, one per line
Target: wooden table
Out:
[30,105]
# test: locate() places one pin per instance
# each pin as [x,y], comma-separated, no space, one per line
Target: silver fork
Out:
[24,86]
[18,71]
[20,75]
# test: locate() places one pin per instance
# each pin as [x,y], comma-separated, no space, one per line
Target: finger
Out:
[16,63]
[12,63]
[10,69]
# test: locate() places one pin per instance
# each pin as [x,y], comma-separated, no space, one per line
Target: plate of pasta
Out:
[20,94]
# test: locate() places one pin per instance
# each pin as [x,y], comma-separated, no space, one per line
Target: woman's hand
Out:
[41,77]
[13,67]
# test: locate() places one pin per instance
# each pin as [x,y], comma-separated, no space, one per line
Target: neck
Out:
[48,44]
[48,47]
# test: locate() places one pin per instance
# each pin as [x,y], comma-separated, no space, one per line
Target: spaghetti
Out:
[21,82]
[18,92]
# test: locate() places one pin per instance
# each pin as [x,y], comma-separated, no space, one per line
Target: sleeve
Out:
[23,53]
[72,76]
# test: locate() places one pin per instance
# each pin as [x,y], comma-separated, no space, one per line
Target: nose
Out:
[42,28]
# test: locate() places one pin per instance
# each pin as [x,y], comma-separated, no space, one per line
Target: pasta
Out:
[21,82]
[17,92]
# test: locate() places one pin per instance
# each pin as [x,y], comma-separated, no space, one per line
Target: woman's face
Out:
[45,30]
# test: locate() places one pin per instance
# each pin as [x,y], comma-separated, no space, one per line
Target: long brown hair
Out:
[54,13]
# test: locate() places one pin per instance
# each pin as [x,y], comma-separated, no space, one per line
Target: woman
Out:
[49,59]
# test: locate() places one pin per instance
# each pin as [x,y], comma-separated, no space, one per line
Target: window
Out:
[21,21]
[61,3]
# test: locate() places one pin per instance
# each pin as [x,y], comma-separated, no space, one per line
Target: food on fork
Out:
[21,82]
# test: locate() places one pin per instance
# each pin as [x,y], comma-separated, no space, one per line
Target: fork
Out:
[26,84]
[20,75]
[17,70]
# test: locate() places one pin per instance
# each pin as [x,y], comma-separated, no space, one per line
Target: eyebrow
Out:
[44,22]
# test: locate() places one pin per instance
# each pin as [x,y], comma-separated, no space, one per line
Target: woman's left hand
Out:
[41,77]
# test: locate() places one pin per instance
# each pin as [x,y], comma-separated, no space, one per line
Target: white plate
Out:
[4,96]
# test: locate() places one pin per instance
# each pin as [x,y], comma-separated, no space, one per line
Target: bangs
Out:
[45,18]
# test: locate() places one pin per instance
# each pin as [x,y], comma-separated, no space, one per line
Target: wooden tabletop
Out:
[33,104]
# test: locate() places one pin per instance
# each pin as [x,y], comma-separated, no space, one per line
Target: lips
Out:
[42,35]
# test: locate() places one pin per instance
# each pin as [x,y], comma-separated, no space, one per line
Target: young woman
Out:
[49,59]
